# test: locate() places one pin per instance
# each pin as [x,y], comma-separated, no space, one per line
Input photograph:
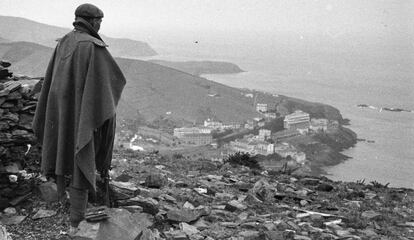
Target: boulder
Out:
[121,225]
[48,191]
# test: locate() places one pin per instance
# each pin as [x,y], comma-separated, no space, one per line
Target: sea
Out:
[343,75]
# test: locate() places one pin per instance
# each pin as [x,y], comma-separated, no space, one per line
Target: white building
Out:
[213,124]
[261,107]
[297,120]
[264,134]
[181,132]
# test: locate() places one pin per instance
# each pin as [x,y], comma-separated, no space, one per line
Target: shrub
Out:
[243,159]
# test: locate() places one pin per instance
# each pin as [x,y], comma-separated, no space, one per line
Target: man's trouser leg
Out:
[78,194]
[103,139]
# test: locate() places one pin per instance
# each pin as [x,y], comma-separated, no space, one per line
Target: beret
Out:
[88,10]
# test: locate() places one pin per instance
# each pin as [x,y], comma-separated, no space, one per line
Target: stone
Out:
[12,220]
[243,216]
[42,213]
[274,235]
[183,215]
[149,205]
[371,215]
[156,180]
[121,225]
[229,224]
[10,211]
[250,235]
[176,235]
[133,209]
[48,191]
[301,237]
[4,235]
[263,190]
[188,229]
[188,205]
[303,203]
[324,187]
[235,205]
[12,168]
[147,234]
[201,224]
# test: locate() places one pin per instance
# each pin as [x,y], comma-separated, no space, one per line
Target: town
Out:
[268,135]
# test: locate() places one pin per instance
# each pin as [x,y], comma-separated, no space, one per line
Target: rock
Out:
[274,235]
[176,235]
[188,229]
[147,234]
[250,235]
[310,181]
[243,216]
[4,235]
[324,187]
[183,215]
[121,225]
[43,214]
[149,205]
[263,190]
[48,191]
[201,224]
[10,211]
[156,180]
[133,209]
[16,201]
[229,224]
[188,205]
[303,203]
[11,220]
[371,215]
[12,168]
[301,237]
[234,205]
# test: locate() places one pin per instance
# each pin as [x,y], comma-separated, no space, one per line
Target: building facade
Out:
[297,120]
[261,107]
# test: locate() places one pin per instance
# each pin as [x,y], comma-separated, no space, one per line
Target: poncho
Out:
[81,90]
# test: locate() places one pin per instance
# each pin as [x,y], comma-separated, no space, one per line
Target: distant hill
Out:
[155,91]
[201,67]
[21,29]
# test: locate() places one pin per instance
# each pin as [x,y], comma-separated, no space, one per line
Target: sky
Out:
[154,19]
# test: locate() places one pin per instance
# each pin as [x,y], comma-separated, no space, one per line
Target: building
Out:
[264,134]
[264,148]
[287,133]
[251,146]
[297,120]
[197,138]
[261,107]
[271,115]
[231,126]
[250,124]
[319,124]
[180,132]
[213,124]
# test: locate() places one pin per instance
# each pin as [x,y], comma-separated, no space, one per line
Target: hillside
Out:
[153,90]
[21,29]
[201,67]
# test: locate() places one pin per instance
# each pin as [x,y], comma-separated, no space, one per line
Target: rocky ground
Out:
[179,198]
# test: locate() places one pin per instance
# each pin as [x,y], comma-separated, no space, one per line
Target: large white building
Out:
[261,107]
[213,124]
[264,134]
[181,132]
[297,120]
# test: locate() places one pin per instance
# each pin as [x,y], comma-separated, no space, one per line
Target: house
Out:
[264,134]
[197,138]
[232,125]
[260,122]
[250,124]
[287,133]
[297,120]
[286,150]
[180,132]
[271,115]
[319,124]
[261,107]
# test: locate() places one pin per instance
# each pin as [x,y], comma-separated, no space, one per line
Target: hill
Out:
[21,29]
[201,67]
[154,91]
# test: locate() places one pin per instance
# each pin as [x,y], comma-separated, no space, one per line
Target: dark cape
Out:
[81,90]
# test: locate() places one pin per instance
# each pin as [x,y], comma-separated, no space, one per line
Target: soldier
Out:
[75,116]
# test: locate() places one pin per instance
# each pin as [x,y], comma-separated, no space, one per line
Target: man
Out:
[75,116]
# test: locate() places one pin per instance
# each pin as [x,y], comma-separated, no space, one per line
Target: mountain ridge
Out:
[22,29]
